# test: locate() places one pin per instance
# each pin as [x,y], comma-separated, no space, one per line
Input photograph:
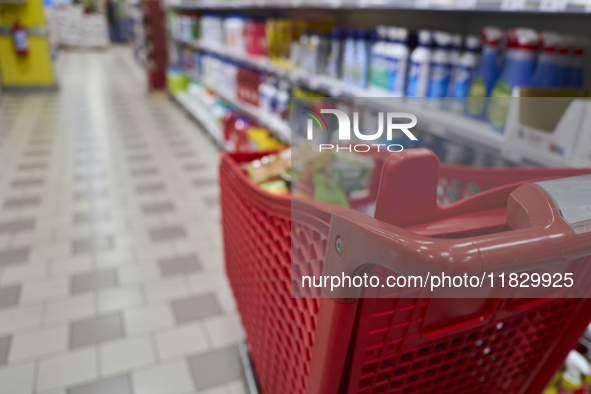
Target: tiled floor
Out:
[111,265]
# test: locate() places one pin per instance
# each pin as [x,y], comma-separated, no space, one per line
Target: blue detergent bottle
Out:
[518,70]
[550,65]
[486,73]
[441,65]
[420,67]
[575,64]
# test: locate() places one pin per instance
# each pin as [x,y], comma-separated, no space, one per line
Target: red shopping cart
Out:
[393,345]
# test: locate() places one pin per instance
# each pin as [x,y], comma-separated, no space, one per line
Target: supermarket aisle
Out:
[111,267]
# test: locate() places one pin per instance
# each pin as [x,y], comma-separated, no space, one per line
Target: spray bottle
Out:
[548,66]
[420,66]
[571,381]
[518,69]
[576,64]
[487,72]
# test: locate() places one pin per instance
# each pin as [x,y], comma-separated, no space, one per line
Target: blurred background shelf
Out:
[524,6]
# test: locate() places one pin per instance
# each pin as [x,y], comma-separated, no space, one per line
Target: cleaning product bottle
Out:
[575,65]
[361,59]
[571,381]
[378,70]
[454,58]
[466,67]
[398,60]
[349,57]
[420,66]
[333,65]
[548,73]
[486,73]
[518,69]
[313,44]
[440,65]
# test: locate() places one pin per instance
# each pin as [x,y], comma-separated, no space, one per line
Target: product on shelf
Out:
[420,66]
[441,65]
[465,68]
[518,70]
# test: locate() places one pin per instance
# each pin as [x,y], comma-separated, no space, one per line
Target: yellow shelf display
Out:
[35,69]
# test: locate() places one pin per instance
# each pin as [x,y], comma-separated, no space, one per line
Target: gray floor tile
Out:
[95,330]
[17,225]
[91,216]
[144,171]
[135,146]
[195,308]
[139,158]
[32,166]
[89,176]
[205,182]
[212,201]
[158,207]
[150,188]
[116,385]
[178,143]
[179,265]
[167,233]
[21,202]
[92,244]
[37,153]
[5,342]
[24,182]
[90,194]
[10,295]
[185,154]
[95,280]
[220,366]
[196,167]
[12,256]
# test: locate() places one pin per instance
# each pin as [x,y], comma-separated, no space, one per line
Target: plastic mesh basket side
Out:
[395,352]
[257,238]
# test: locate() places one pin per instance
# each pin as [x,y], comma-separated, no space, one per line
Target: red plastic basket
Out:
[386,345]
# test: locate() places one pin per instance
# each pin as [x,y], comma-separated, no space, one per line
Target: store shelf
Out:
[544,6]
[197,109]
[439,121]
[435,121]
[278,127]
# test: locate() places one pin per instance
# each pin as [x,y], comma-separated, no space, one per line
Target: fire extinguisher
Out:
[20,40]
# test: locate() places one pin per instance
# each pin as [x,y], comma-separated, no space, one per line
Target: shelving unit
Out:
[439,122]
[566,6]
[196,108]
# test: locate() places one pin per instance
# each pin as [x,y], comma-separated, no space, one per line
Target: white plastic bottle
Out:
[378,70]
[420,66]
[333,66]
[349,58]
[282,97]
[455,52]
[398,56]
[466,68]
[440,65]
[361,60]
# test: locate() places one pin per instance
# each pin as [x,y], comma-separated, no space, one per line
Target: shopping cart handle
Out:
[538,237]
